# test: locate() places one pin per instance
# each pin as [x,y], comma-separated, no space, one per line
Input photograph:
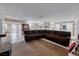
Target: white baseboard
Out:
[54,43]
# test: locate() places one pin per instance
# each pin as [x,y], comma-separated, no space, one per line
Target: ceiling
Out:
[39,10]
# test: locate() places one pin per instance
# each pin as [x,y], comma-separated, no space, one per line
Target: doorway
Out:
[14,32]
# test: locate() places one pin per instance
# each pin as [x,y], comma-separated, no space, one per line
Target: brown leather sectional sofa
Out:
[59,37]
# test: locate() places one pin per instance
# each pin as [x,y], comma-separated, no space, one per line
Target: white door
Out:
[14,32]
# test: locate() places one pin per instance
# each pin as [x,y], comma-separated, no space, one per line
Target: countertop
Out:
[2,35]
[4,46]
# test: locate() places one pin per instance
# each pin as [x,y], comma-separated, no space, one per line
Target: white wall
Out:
[34,25]
[38,25]
[1,24]
[55,24]
[1,27]
[78,24]
[78,28]
[69,26]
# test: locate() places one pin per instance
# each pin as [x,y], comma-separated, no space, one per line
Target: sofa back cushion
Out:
[53,32]
[62,33]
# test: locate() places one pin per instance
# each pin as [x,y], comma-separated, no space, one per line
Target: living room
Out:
[39,29]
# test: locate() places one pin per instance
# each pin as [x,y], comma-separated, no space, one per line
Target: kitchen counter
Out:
[2,35]
[4,46]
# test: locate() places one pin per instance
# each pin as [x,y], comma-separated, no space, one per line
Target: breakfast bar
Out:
[4,47]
